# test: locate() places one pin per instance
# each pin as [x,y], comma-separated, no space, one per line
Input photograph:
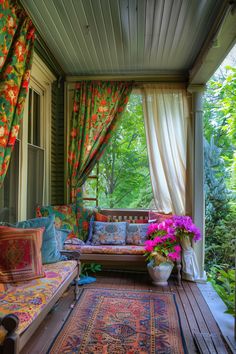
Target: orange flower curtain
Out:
[16,49]
[98,106]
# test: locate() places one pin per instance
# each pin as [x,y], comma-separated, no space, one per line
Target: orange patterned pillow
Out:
[140,221]
[101,217]
[20,256]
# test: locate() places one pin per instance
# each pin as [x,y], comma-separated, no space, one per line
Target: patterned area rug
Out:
[122,322]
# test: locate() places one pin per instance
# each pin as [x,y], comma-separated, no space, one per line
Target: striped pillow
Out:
[20,256]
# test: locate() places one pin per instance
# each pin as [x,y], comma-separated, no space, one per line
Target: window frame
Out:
[40,81]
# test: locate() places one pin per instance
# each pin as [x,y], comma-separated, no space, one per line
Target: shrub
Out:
[223,281]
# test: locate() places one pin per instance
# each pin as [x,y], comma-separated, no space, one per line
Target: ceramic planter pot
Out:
[161,273]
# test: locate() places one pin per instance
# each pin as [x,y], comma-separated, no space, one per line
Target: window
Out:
[9,191]
[123,180]
[27,182]
[35,176]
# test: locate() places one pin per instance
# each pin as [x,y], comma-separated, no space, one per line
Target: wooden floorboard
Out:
[194,312]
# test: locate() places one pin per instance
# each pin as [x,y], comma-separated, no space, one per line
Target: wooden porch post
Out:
[198,175]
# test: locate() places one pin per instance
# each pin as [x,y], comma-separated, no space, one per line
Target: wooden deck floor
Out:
[194,312]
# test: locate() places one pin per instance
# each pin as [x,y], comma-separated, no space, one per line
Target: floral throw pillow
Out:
[20,256]
[136,234]
[83,218]
[158,217]
[65,217]
[109,233]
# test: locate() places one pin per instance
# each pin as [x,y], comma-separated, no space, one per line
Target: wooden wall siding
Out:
[57,144]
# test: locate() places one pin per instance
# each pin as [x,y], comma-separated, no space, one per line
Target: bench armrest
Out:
[71,254]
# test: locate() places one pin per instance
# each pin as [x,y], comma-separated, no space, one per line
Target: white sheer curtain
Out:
[166,116]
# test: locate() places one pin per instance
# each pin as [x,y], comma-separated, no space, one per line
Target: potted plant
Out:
[162,249]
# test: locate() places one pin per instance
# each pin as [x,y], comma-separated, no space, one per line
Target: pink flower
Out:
[177,248]
[149,245]
[152,228]
[174,256]
[157,240]
[165,237]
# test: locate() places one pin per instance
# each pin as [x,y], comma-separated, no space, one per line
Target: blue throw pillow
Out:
[61,235]
[109,233]
[90,233]
[50,252]
[137,234]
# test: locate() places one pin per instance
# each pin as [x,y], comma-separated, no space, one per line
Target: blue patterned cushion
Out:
[109,233]
[136,234]
[61,235]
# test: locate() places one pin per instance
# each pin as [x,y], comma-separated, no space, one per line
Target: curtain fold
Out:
[16,52]
[167,124]
[98,106]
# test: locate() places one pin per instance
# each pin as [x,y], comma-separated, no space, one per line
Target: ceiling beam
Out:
[157,77]
[218,44]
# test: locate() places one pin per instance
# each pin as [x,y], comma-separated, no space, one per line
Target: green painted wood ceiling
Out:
[124,37]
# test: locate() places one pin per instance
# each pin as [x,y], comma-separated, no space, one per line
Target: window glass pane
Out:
[35,179]
[30,116]
[90,203]
[9,191]
[36,119]
[90,188]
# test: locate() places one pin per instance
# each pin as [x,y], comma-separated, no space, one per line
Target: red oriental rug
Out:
[122,322]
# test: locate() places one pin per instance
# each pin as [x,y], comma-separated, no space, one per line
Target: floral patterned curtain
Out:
[16,49]
[98,106]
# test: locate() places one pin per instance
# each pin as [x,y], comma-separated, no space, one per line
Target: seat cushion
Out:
[106,249]
[27,299]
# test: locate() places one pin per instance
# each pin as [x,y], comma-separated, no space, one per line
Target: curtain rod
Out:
[158,77]
[141,84]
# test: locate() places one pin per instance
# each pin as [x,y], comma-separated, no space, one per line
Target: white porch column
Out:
[198,176]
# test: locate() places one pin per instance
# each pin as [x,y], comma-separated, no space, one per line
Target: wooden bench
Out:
[16,339]
[134,262]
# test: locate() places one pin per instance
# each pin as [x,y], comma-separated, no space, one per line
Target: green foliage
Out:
[220,183]
[220,118]
[124,178]
[223,281]
[217,195]
[90,267]
[220,241]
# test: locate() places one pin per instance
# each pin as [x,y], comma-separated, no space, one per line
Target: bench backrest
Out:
[125,214]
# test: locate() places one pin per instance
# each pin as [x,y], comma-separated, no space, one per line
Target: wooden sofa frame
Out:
[14,342]
[132,261]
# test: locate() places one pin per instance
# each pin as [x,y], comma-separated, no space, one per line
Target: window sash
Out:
[10,188]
